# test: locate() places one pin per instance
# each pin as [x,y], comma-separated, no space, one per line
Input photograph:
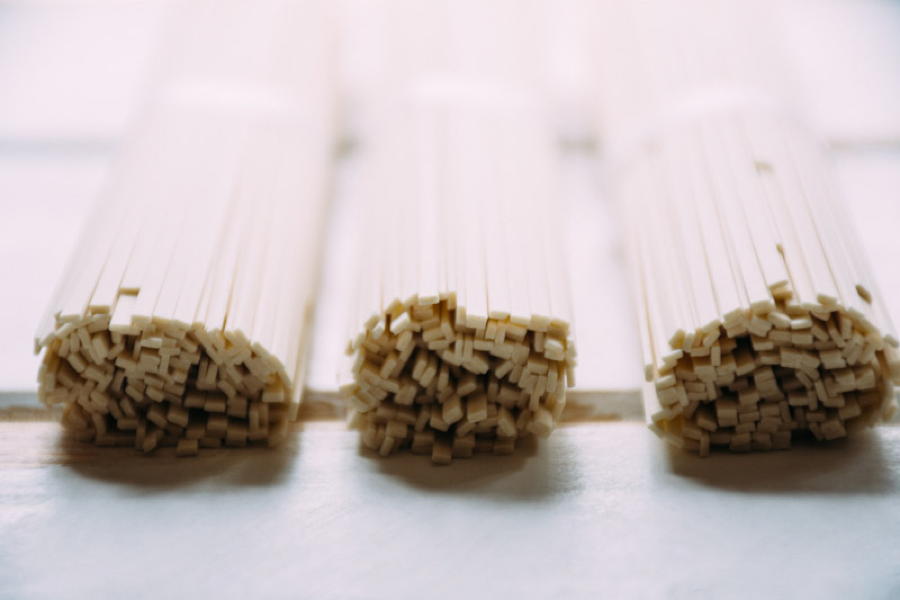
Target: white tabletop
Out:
[598,511]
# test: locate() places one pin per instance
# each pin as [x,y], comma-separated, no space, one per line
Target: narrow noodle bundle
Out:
[461,339]
[182,317]
[760,319]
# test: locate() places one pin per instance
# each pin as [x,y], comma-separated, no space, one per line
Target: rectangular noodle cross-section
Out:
[461,341]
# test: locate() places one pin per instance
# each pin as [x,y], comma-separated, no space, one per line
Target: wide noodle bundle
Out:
[182,317]
[760,317]
[759,314]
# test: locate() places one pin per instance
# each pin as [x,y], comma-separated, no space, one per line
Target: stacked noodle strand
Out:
[462,338]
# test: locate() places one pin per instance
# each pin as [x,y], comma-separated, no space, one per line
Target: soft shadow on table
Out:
[850,466]
[163,471]
[535,471]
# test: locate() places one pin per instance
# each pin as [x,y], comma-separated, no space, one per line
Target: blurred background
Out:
[73,75]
